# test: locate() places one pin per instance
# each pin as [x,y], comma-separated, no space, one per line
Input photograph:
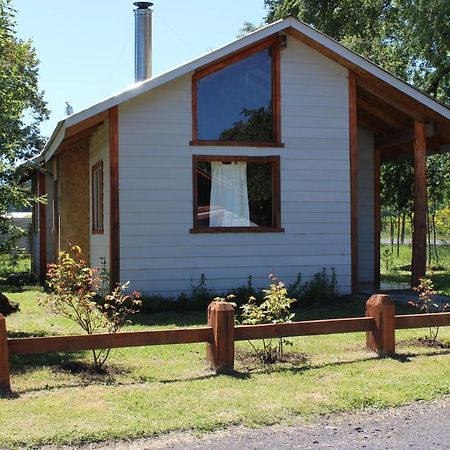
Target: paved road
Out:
[418,426]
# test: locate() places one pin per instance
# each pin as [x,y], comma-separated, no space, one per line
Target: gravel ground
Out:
[424,426]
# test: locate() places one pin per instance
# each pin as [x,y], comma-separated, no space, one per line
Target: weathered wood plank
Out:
[422,320]
[382,338]
[220,351]
[303,328]
[5,384]
[419,248]
[26,346]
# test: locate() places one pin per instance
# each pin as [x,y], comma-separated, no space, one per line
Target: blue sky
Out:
[86,47]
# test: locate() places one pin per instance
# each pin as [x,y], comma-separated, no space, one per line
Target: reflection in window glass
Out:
[235,103]
[236,194]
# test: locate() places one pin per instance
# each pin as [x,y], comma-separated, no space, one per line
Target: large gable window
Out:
[236,101]
[236,193]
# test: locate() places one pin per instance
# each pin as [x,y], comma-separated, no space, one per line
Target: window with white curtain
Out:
[236,193]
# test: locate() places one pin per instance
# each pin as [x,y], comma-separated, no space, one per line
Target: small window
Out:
[236,101]
[97,198]
[235,193]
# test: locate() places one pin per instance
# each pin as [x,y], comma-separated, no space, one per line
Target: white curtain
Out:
[229,195]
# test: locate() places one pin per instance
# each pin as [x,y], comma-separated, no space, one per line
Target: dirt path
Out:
[417,426]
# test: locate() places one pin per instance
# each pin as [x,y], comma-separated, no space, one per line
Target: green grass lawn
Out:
[10,265]
[440,273]
[153,390]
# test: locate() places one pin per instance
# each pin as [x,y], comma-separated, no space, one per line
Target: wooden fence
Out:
[221,333]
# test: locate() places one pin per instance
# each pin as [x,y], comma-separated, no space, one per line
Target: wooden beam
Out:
[376,217]
[42,229]
[71,141]
[382,338]
[382,115]
[303,328]
[402,137]
[114,238]
[29,346]
[5,382]
[90,122]
[395,154]
[396,99]
[353,141]
[422,320]
[420,205]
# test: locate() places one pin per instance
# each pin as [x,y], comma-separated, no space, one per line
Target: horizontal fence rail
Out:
[221,333]
[303,328]
[27,346]
[422,320]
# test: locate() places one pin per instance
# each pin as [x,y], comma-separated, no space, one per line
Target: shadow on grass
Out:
[401,357]
[61,363]
[239,375]
[14,289]
[29,334]
[9,395]
[20,364]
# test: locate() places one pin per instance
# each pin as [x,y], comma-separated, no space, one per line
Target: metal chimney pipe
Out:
[143,41]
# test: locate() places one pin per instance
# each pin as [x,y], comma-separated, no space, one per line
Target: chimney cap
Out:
[143,5]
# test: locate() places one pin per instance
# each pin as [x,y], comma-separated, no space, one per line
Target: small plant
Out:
[427,304]
[296,289]
[104,278]
[321,288]
[74,288]
[229,299]
[201,295]
[387,258]
[275,308]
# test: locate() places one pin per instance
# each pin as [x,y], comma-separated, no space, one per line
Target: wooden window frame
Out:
[95,229]
[273,43]
[276,193]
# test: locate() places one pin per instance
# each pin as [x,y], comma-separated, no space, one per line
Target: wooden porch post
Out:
[377,217]
[114,247]
[420,205]
[42,229]
[353,180]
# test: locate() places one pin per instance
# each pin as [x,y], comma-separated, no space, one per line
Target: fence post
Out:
[382,338]
[220,352]
[5,384]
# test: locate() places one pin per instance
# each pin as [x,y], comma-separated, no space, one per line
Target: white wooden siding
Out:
[365,206]
[50,236]
[99,151]
[159,254]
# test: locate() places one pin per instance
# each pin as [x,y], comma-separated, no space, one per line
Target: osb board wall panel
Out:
[74,198]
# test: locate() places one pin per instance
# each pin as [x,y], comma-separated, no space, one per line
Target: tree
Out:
[410,38]
[22,109]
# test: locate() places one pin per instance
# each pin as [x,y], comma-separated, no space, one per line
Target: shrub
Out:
[74,288]
[244,292]
[322,287]
[428,304]
[275,308]
[6,307]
